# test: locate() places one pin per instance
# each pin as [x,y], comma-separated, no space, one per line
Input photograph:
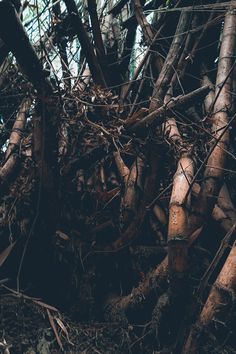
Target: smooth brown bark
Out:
[133,188]
[216,162]
[18,128]
[218,302]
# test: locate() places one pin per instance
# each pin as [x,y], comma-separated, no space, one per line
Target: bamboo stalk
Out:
[126,55]
[8,168]
[138,70]
[142,21]
[166,74]
[222,104]
[132,21]
[158,115]
[180,201]
[178,215]
[156,279]
[122,168]
[133,229]
[133,188]
[99,46]
[14,36]
[217,304]
[225,202]
[62,43]
[18,127]
[86,46]
[209,99]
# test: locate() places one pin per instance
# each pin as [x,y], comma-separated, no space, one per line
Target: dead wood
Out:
[158,116]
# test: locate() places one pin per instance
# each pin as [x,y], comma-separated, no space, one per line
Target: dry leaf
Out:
[53,325]
[61,324]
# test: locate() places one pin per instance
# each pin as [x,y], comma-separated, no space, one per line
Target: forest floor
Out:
[28,327]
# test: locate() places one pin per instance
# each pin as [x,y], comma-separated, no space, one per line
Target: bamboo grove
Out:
[117,183]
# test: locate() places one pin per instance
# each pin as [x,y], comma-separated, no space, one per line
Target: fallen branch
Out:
[159,115]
